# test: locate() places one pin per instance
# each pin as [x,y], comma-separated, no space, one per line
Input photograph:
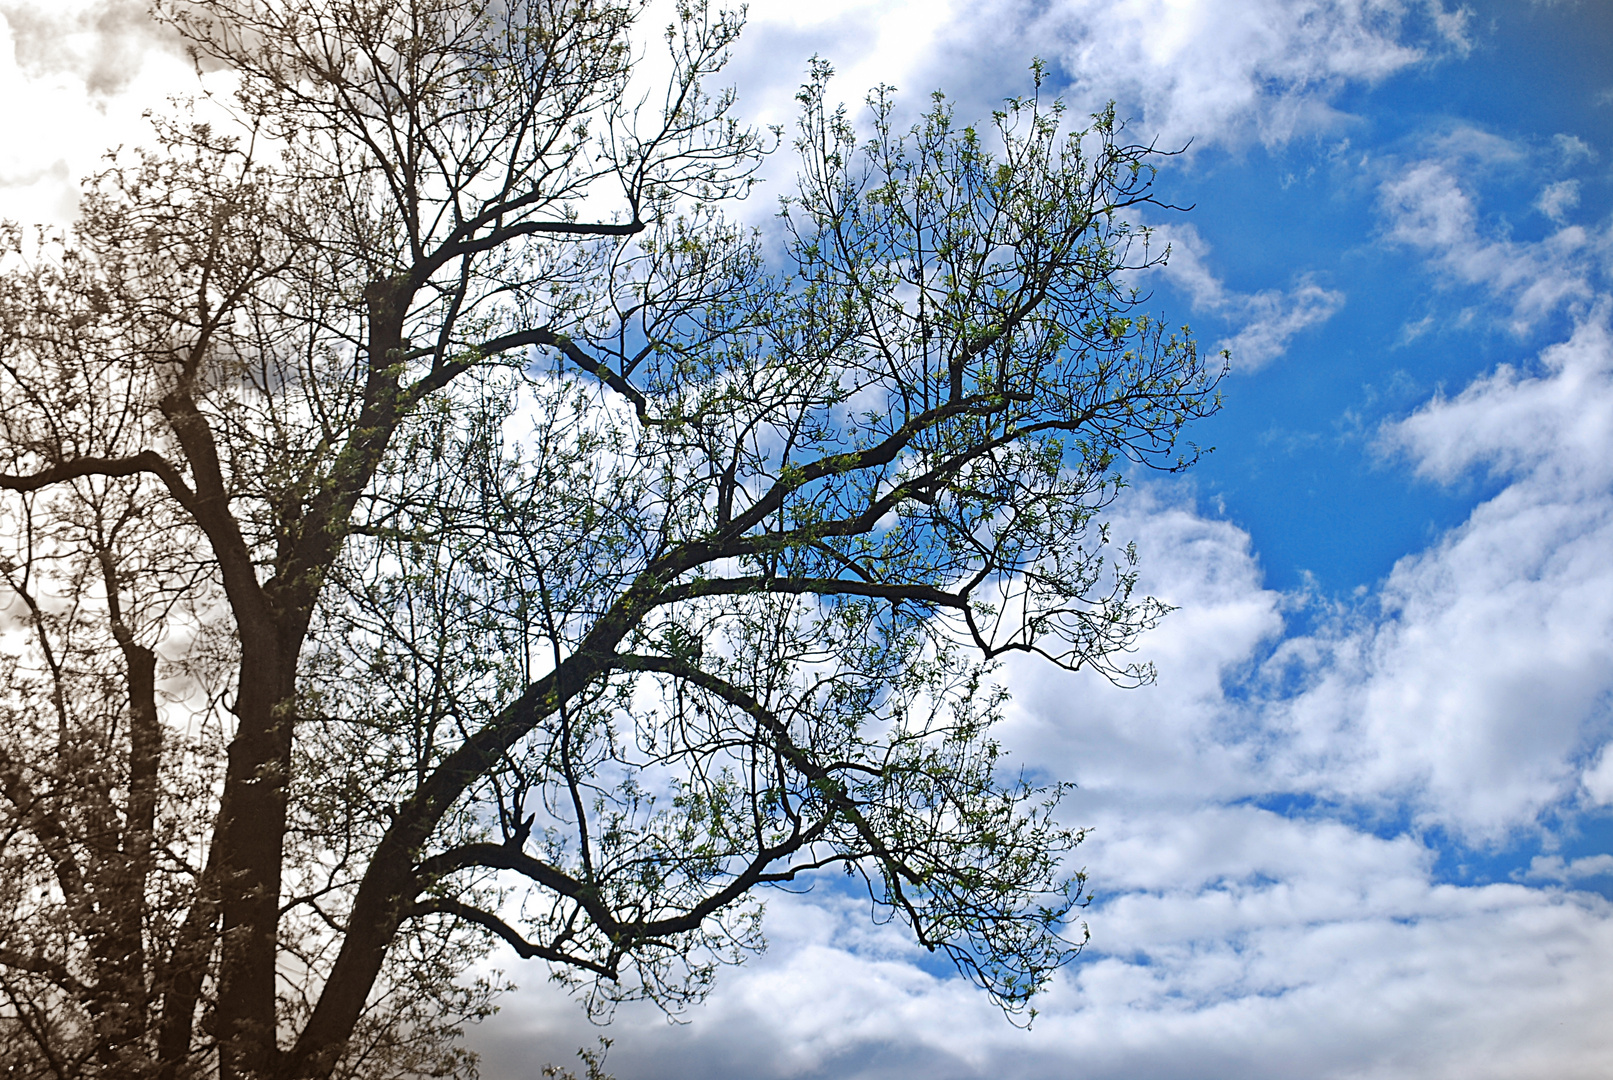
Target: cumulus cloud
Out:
[1238,933]
[1243,70]
[103,42]
[1262,817]
[1428,209]
[1267,320]
[1466,690]
[1384,982]
[1598,779]
[1554,868]
[1268,820]
[1220,72]
[1269,903]
[1548,430]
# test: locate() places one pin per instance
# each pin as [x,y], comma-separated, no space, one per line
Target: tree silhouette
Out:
[433,525]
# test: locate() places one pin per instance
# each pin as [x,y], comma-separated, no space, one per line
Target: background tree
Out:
[432,523]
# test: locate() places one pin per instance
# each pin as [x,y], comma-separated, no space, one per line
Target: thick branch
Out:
[526,949]
[542,337]
[832,789]
[147,461]
[795,586]
[508,857]
[46,968]
[181,974]
[455,249]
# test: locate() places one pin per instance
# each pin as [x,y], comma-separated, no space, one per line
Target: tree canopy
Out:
[434,522]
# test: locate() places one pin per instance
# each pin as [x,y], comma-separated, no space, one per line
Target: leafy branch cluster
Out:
[432,524]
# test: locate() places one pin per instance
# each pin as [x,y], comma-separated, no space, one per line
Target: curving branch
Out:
[543,337]
[824,781]
[796,586]
[508,857]
[147,461]
[45,968]
[465,241]
[626,934]
[526,949]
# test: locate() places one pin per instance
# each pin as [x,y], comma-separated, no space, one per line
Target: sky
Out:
[1362,825]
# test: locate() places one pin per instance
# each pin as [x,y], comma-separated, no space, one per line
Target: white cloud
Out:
[1557,199]
[1267,320]
[1318,952]
[1428,209]
[1469,694]
[1572,148]
[1232,940]
[1274,318]
[1213,71]
[102,43]
[1550,430]
[1465,693]
[1598,779]
[1553,868]
[87,69]
[895,43]
[1240,70]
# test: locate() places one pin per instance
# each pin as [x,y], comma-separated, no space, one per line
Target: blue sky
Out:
[1363,824]
[1295,464]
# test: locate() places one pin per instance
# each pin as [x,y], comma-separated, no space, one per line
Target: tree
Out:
[433,524]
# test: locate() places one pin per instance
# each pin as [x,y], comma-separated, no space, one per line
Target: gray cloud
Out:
[1231,940]
[104,43]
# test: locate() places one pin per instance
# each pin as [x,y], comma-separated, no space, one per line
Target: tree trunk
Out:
[250,839]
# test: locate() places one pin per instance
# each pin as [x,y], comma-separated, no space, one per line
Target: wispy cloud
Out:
[1266,321]
[1428,209]
[1557,199]
[1555,868]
